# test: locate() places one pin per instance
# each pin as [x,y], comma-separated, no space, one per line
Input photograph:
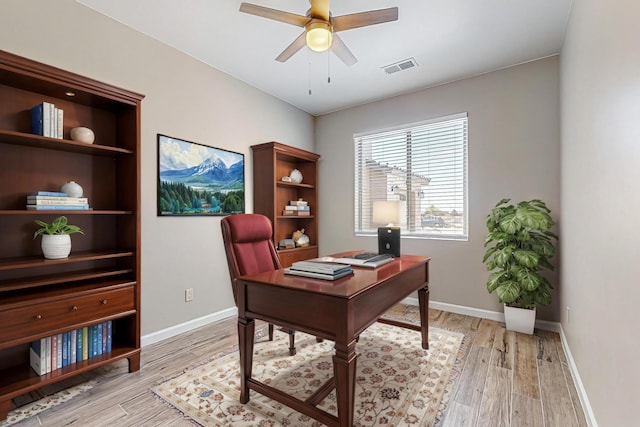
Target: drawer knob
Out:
[104,302]
[38,316]
[74,308]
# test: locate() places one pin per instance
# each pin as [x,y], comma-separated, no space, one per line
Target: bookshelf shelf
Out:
[100,280]
[272,161]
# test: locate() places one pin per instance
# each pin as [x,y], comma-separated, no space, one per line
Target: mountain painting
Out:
[195,179]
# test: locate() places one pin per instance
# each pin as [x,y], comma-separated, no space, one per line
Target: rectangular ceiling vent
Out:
[405,64]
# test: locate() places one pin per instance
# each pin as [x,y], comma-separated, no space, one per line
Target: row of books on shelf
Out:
[298,207]
[53,200]
[47,120]
[319,270]
[57,351]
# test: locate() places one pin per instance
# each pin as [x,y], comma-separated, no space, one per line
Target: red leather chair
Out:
[250,250]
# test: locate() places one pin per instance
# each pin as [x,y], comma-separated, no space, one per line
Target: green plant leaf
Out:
[529,280]
[510,224]
[526,258]
[508,291]
[494,281]
[503,256]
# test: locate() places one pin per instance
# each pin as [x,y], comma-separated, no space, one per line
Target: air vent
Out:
[400,66]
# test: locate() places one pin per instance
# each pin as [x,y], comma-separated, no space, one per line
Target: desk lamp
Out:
[387,212]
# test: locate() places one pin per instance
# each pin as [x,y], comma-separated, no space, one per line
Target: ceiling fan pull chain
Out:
[309,76]
[328,66]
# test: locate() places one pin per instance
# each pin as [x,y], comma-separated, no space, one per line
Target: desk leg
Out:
[423,301]
[246,330]
[344,368]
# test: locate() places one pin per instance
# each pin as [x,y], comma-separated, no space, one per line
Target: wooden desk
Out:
[337,310]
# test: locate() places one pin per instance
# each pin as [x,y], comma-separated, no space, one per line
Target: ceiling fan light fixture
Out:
[319,35]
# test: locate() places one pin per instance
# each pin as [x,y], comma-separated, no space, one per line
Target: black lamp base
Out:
[389,240]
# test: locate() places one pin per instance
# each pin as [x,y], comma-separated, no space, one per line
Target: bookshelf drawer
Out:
[42,317]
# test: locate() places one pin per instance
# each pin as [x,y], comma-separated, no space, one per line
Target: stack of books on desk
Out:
[319,270]
[53,200]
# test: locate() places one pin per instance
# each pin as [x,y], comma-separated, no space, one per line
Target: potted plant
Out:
[519,247]
[56,239]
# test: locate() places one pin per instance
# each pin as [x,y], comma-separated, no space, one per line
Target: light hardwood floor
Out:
[508,379]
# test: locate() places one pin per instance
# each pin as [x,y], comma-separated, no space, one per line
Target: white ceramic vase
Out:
[520,319]
[56,246]
[296,176]
[82,134]
[72,188]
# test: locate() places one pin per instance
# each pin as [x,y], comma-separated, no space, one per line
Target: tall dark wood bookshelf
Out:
[271,162]
[100,280]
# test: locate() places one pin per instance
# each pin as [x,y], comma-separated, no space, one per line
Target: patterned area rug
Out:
[397,383]
[34,408]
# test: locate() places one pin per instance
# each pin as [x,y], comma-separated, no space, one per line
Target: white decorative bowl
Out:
[82,134]
[72,188]
[296,176]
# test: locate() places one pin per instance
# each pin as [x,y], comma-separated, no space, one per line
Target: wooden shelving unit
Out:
[271,162]
[100,280]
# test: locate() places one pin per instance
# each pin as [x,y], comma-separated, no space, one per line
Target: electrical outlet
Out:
[188,295]
[568,314]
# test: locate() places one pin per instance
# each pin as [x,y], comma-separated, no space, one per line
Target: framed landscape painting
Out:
[195,179]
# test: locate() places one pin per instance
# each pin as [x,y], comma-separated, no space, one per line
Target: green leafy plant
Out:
[519,248]
[58,226]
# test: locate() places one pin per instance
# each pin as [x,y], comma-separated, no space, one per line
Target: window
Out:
[421,165]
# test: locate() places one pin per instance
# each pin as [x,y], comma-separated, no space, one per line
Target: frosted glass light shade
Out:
[386,212]
[319,36]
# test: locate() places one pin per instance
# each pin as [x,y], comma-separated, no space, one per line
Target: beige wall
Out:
[600,97]
[513,152]
[184,98]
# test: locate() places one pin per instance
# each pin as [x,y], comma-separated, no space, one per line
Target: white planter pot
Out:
[56,246]
[520,319]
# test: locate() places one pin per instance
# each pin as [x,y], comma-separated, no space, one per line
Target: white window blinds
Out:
[424,167]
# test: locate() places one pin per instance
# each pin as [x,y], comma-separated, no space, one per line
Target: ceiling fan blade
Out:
[277,15]
[320,9]
[342,51]
[297,44]
[362,19]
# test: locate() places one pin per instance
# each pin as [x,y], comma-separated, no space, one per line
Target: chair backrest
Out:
[248,245]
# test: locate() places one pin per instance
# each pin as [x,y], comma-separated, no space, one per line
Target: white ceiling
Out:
[449,39]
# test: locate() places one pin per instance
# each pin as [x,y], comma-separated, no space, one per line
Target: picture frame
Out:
[198,180]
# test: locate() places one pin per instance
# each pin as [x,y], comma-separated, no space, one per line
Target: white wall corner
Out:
[172,331]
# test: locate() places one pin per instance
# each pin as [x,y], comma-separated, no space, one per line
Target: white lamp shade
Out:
[386,212]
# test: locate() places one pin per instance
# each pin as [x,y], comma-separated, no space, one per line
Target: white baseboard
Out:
[582,393]
[172,331]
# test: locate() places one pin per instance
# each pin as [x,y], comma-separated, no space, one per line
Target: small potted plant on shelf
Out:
[56,239]
[520,246]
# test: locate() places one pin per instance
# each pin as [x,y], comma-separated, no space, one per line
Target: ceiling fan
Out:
[320,27]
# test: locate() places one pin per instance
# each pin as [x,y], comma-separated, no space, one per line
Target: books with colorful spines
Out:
[79,345]
[97,345]
[298,203]
[48,193]
[296,213]
[59,356]
[90,342]
[38,356]
[104,337]
[85,343]
[83,207]
[297,208]
[59,123]
[73,346]
[54,352]
[41,119]
[65,349]
[56,200]
[109,336]
[288,213]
